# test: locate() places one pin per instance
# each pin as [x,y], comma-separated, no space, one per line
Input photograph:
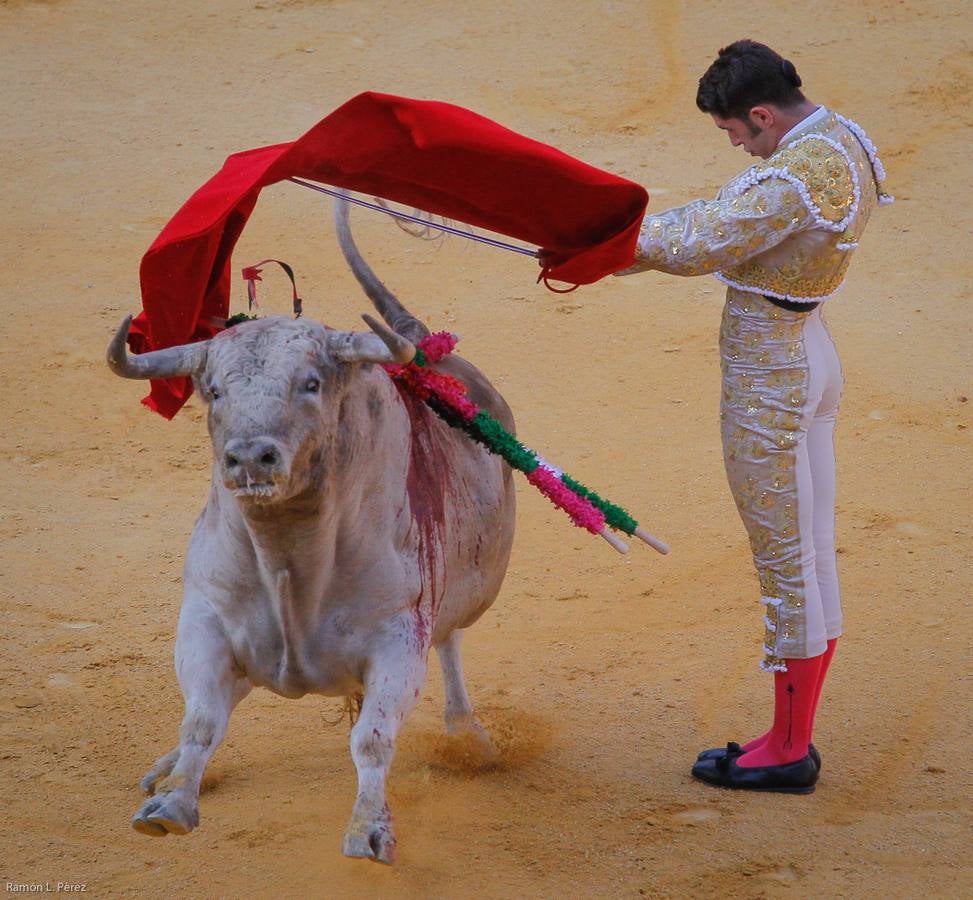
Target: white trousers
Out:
[781,388]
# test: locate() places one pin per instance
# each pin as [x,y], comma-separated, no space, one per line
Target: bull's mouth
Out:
[257,491]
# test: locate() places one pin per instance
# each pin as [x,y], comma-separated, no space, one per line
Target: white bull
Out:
[347,530]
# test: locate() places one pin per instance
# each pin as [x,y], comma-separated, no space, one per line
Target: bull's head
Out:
[274,389]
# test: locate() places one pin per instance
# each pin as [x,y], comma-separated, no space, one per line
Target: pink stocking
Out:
[795,693]
[825,663]
[825,658]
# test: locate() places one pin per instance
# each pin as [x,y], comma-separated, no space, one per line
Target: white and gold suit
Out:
[785,228]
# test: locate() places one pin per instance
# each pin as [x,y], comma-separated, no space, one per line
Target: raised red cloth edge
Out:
[444,159]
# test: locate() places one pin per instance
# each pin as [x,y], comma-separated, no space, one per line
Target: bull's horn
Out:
[169,363]
[384,346]
[402,349]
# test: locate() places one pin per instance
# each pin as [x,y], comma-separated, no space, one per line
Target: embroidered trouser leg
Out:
[781,386]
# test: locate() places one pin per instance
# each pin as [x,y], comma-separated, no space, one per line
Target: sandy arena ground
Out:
[600,676]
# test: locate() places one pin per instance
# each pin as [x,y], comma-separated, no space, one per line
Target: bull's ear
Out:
[383,346]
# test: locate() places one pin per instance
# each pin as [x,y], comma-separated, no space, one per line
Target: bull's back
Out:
[479,389]
[463,505]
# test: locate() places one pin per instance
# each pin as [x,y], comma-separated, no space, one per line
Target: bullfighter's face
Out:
[755,134]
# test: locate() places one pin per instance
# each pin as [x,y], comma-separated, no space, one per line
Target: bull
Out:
[347,530]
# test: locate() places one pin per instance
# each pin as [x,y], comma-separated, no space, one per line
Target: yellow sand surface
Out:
[600,676]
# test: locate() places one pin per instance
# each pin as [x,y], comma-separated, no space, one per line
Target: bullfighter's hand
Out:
[545,258]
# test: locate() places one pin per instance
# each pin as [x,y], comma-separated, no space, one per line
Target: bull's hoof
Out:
[475,740]
[144,826]
[376,842]
[164,815]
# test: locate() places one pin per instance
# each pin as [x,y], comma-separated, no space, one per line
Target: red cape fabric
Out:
[438,157]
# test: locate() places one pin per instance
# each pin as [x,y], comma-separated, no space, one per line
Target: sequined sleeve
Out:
[706,236]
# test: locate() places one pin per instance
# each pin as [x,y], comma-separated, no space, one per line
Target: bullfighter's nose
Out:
[252,459]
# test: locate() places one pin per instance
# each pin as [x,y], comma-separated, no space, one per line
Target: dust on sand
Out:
[607,674]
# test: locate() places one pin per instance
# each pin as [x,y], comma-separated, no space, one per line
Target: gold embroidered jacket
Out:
[786,227]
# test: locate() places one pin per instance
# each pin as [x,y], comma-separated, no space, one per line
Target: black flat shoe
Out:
[734,749]
[731,749]
[798,777]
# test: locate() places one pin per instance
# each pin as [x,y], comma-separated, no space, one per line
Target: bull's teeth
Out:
[256,489]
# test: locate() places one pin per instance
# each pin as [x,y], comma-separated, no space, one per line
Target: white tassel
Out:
[750,289]
[773,666]
[866,142]
[752,177]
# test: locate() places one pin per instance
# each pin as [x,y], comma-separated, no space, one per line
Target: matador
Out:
[780,236]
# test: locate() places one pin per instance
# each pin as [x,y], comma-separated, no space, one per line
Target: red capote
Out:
[441,158]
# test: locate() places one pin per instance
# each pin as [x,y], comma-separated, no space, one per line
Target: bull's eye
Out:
[214,392]
[312,386]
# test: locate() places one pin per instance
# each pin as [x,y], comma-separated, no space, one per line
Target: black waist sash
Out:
[791,305]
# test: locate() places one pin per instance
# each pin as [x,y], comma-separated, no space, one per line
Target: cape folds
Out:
[441,158]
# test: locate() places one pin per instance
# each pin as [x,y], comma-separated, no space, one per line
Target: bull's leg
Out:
[165,764]
[392,684]
[211,687]
[160,770]
[459,711]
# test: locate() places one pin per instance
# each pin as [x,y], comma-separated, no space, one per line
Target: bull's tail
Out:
[398,318]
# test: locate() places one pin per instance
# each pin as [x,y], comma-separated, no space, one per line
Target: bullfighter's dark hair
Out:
[747,74]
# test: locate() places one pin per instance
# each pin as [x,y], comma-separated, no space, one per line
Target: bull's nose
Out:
[256,459]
